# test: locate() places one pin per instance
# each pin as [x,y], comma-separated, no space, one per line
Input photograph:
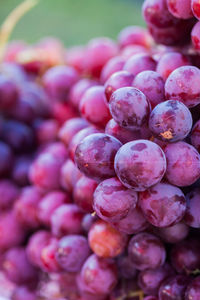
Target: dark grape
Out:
[192,212]
[195,136]
[193,290]
[173,288]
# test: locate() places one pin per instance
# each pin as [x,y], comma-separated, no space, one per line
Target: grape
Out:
[115,64]
[93,106]
[98,276]
[105,241]
[180,9]
[49,203]
[149,280]
[196,8]
[48,257]
[6,158]
[117,80]
[125,267]
[79,137]
[74,57]
[9,193]
[21,169]
[134,35]
[22,111]
[78,90]
[15,260]
[173,288]
[72,252]
[185,256]
[170,121]
[62,112]
[36,243]
[195,35]
[125,135]
[66,219]
[70,128]
[113,201]
[129,107]
[169,62]
[26,207]
[183,85]
[195,136]
[193,290]
[23,293]
[183,164]
[192,217]
[69,175]
[8,93]
[131,50]
[133,223]
[152,85]
[135,167]
[174,233]
[98,52]
[46,131]
[163,204]
[58,81]
[87,221]
[83,193]
[146,251]
[95,155]
[140,62]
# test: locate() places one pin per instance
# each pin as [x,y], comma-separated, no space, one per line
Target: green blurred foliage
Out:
[74,21]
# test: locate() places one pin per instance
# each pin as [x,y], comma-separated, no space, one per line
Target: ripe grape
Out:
[69,175]
[196,8]
[23,293]
[193,289]
[195,136]
[115,64]
[140,62]
[8,92]
[21,170]
[134,35]
[192,217]
[173,288]
[9,193]
[125,267]
[48,257]
[180,9]
[195,35]
[174,233]
[6,159]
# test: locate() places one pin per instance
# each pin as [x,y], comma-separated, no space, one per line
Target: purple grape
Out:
[46,131]
[183,85]
[134,35]
[83,193]
[23,293]
[58,81]
[22,111]
[48,257]
[15,260]
[69,175]
[133,223]
[150,280]
[49,203]
[170,121]
[72,252]
[192,217]
[6,159]
[195,136]
[115,64]
[95,155]
[9,193]
[174,233]
[135,164]
[140,62]
[88,221]
[129,107]
[173,288]
[152,85]
[169,62]
[163,204]
[113,201]
[21,169]
[70,128]
[183,164]
[8,92]
[180,9]
[185,256]
[26,207]
[195,35]
[146,251]
[66,219]
[196,9]
[131,50]
[98,276]
[193,289]
[117,80]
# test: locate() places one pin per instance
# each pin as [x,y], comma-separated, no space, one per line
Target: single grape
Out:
[72,252]
[174,233]
[192,217]
[183,164]
[88,221]
[135,164]
[180,9]
[117,80]
[95,155]
[6,159]
[48,257]
[183,85]
[134,35]
[129,107]
[8,92]
[152,85]
[46,131]
[74,57]
[195,136]
[105,241]
[170,121]
[115,64]
[21,170]
[163,204]
[173,288]
[196,8]
[98,276]
[113,201]
[140,62]
[62,112]
[146,251]
[69,175]
[131,50]
[193,289]
[9,193]
[195,35]
[93,106]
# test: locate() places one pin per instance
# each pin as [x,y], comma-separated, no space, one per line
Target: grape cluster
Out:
[100,163]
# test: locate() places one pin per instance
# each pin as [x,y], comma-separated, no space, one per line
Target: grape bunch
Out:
[100,163]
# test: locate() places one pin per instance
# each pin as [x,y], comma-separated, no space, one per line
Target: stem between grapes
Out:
[11,21]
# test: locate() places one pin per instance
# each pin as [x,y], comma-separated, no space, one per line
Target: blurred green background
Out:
[74,21]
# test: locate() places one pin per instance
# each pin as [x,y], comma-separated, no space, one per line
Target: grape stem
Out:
[11,21]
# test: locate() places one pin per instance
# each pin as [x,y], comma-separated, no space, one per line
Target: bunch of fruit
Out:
[100,163]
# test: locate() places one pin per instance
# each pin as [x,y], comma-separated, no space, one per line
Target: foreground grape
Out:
[100,163]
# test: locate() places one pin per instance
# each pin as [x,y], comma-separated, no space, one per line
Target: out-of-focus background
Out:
[74,21]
